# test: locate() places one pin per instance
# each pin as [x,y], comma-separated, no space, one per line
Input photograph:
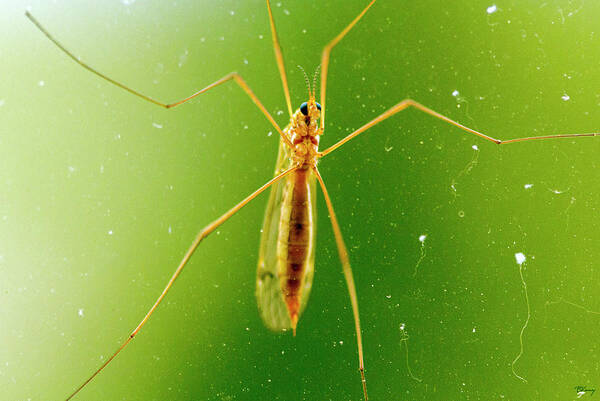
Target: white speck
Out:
[286,12]
[245,61]
[422,238]
[231,12]
[304,31]
[402,326]
[260,36]
[389,296]
[455,93]
[341,342]
[270,133]
[520,258]
[279,112]
[71,169]
[1,102]
[170,230]
[110,232]
[156,125]
[127,2]
[245,126]
[101,168]
[491,9]
[474,147]
[473,330]
[80,312]
[565,97]
[527,186]
[41,83]
[182,59]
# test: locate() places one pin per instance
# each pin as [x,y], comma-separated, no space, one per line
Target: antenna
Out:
[307,81]
[315,79]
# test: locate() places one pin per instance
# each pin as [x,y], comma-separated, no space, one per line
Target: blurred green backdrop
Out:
[102,194]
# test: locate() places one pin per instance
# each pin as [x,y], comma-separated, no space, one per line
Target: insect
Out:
[299,161]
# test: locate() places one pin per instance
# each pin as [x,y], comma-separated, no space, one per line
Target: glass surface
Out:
[102,193]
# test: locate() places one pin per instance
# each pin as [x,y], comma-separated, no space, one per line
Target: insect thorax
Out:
[304,132]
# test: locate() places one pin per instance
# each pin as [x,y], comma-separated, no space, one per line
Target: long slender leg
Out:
[279,58]
[343,253]
[203,234]
[325,59]
[411,103]
[231,76]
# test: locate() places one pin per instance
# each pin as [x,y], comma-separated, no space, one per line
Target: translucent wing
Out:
[271,305]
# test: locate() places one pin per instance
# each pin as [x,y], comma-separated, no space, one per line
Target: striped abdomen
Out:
[287,247]
[296,237]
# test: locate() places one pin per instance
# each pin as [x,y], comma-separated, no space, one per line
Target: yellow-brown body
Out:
[286,261]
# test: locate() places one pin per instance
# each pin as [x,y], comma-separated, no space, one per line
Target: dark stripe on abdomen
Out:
[299,237]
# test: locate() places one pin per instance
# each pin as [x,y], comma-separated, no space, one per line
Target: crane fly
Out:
[287,246]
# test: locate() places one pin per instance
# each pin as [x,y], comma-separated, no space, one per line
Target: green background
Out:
[101,194]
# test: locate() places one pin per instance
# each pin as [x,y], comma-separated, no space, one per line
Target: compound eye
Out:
[304,108]
[318,106]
